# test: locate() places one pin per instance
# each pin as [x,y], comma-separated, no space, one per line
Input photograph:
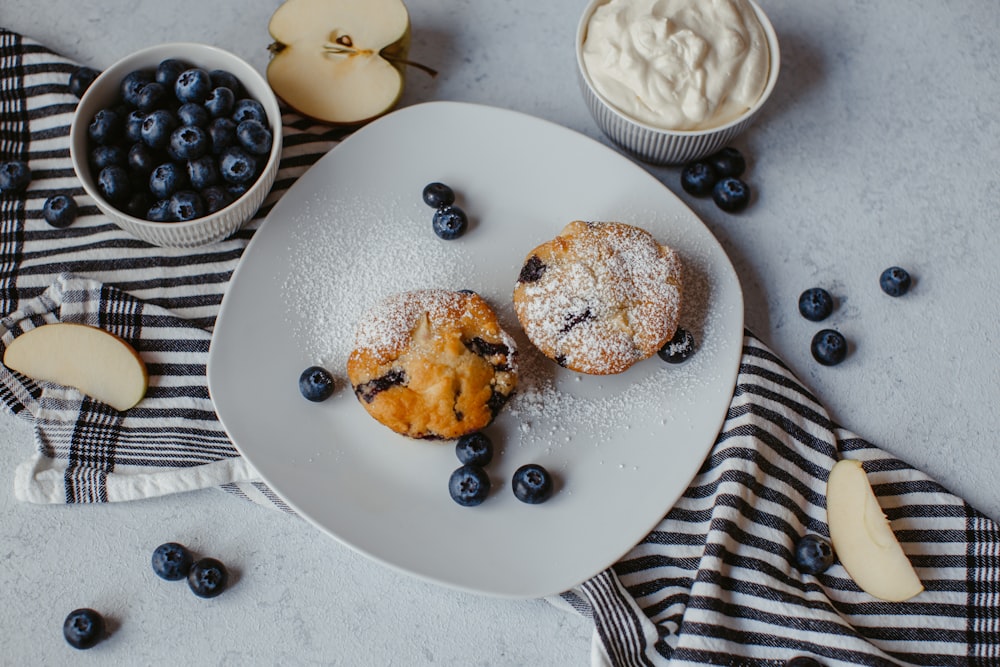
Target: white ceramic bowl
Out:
[656,145]
[200,231]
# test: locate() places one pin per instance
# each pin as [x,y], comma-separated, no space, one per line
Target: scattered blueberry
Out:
[813,554]
[59,211]
[532,484]
[193,85]
[895,281]
[167,72]
[166,179]
[803,661]
[815,304]
[80,80]
[731,194]
[207,577]
[83,628]
[189,142]
[157,128]
[193,114]
[220,102]
[248,109]
[105,127]
[678,348]
[114,184]
[829,347]
[475,449]
[469,485]
[132,85]
[171,561]
[236,166]
[316,384]
[727,162]
[698,179]
[437,195]
[186,205]
[254,137]
[450,222]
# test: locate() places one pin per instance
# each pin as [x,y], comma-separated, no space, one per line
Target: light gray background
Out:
[878,147]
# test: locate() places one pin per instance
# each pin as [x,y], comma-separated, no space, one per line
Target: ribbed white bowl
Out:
[201,231]
[656,145]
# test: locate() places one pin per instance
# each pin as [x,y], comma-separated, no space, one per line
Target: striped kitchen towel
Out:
[713,583]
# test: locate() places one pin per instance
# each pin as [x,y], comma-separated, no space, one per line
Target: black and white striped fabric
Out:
[714,583]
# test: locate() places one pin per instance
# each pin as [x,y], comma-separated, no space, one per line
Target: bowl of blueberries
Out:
[178,144]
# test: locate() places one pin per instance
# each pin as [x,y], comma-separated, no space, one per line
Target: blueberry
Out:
[815,304]
[193,114]
[220,102]
[223,79]
[532,271]
[813,554]
[731,194]
[316,384]
[829,347]
[236,166]
[895,281]
[107,155]
[475,449]
[188,142]
[160,211]
[249,109]
[171,561]
[698,179]
[166,179]
[132,85]
[237,190]
[254,137]
[203,172]
[142,159]
[450,222]
[437,195]
[193,85]
[222,133]
[152,97]
[133,125]
[157,128]
[106,127]
[216,198]
[138,204]
[469,485]
[207,577]
[59,211]
[803,661]
[186,205]
[83,628]
[167,72]
[727,162]
[532,484]
[80,80]
[114,184]
[678,348]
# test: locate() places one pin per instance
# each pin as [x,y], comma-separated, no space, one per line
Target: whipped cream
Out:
[677,64]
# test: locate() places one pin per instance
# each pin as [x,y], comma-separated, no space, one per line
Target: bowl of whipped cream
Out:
[670,81]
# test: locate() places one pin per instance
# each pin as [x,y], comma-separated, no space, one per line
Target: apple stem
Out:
[340,48]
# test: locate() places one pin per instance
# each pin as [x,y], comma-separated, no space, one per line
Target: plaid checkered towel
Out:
[714,583]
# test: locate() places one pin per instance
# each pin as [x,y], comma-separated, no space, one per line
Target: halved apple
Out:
[339,61]
[92,360]
[863,539]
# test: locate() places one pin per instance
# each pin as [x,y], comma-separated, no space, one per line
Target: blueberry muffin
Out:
[432,364]
[599,297]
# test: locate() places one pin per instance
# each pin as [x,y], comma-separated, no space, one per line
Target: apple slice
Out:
[339,61]
[98,363]
[863,539]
